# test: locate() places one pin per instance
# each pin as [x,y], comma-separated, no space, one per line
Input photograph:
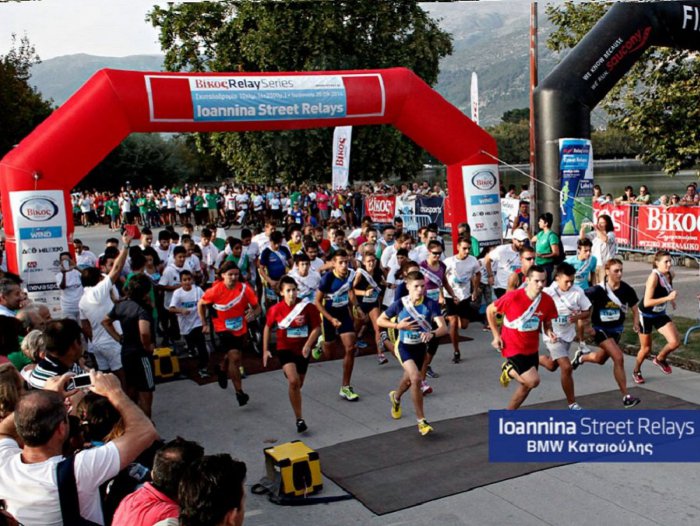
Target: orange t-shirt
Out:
[230,306]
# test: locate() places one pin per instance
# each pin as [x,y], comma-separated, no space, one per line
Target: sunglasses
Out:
[528,259]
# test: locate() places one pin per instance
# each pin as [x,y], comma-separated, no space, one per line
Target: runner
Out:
[368,285]
[273,264]
[234,304]
[307,279]
[572,306]
[611,300]
[507,261]
[298,328]
[184,305]
[464,276]
[517,279]
[525,312]
[415,315]
[333,300]
[657,293]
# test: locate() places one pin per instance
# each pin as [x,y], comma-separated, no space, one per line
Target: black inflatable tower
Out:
[564,100]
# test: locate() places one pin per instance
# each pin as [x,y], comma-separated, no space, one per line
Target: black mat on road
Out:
[399,469]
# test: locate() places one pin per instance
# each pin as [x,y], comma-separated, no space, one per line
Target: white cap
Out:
[520,235]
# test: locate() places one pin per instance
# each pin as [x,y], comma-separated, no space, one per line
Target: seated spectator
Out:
[64,349]
[627,197]
[29,474]
[691,196]
[211,493]
[675,200]
[157,500]
[662,200]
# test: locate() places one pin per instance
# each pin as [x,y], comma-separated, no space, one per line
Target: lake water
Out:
[613,176]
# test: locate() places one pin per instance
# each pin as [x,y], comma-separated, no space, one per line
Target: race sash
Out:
[235,301]
[289,318]
[663,281]
[613,297]
[583,270]
[369,279]
[344,287]
[419,318]
[432,276]
[282,257]
[520,322]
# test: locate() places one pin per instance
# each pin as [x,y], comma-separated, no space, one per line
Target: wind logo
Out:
[49,232]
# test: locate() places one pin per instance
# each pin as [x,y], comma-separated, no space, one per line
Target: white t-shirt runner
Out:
[459,273]
[507,261]
[187,299]
[572,301]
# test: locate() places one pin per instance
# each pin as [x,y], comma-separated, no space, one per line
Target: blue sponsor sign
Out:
[490,199]
[594,436]
[46,232]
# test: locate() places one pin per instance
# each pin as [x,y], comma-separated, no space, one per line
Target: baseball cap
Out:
[520,235]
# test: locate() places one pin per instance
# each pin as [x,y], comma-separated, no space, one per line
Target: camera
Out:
[80,381]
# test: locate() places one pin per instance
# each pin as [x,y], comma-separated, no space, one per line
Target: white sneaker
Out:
[575,407]
[585,349]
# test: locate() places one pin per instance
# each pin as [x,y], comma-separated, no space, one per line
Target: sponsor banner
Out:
[342,136]
[576,176]
[258,98]
[432,207]
[405,207]
[448,214]
[675,228]
[40,224]
[594,436]
[380,208]
[483,200]
[622,220]
[509,213]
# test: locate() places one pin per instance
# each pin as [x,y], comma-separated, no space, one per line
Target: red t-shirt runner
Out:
[293,337]
[230,306]
[526,339]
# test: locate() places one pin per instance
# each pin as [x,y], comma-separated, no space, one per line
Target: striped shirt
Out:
[48,368]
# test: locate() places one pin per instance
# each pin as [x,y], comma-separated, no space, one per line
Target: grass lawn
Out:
[688,352]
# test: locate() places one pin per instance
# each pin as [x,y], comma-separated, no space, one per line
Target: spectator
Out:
[9,339]
[546,245]
[157,500]
[604,242]
[64,349]
[627,197]
[11,389]
[68,280]
[28,475]
[10,297]
[691,196]
[643,198]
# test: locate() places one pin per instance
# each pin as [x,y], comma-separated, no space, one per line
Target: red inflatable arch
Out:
[37,176]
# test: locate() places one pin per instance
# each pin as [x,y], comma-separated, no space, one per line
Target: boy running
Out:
[525,312]
[298,328]
[415,315]
[184,305]
[230,301]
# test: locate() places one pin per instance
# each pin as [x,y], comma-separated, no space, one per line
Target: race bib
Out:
[459,280]
[530,325]
[298,332]
[410,337]
[234,324]
[340,300]
[659,309]
[608,315]
[270,294]
[371,296]
[189,304]
[561,320]
[433,294]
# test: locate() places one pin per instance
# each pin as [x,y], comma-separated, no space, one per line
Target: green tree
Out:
[516,115]
[21,107]
[304,36]
[657,102]
[512,140]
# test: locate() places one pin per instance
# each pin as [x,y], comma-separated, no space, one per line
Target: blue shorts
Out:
[330,333]
[411,352]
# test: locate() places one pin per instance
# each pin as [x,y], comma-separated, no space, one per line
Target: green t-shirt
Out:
[112,207]
[198,203]
[19,360]
[545,241]
[142,203]
[211,201]
[474,250]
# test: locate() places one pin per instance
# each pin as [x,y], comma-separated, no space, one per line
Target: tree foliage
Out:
[21,107]
[239,36]
[516,115]
[657,102]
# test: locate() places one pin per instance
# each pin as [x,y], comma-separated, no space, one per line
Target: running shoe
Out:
[585,349]
[424,427]
[505,373]
[663,365]
[361,344]
[575,407]
[456,357]
[222,378]
[637,377]
[425,388]
[382,359]
[395,405]
[348,393]
[317,352]
[630,401]
[203,373]
[301,425]
[241,370]
[430,373]
[577,359]
[242,398]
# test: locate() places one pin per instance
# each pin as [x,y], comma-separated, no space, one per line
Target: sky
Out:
[110,28]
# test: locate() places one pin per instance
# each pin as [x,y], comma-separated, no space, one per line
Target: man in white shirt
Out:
[28,475]
[83,258]
[209,254]
[68,280]
[95,304]
[507,260]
